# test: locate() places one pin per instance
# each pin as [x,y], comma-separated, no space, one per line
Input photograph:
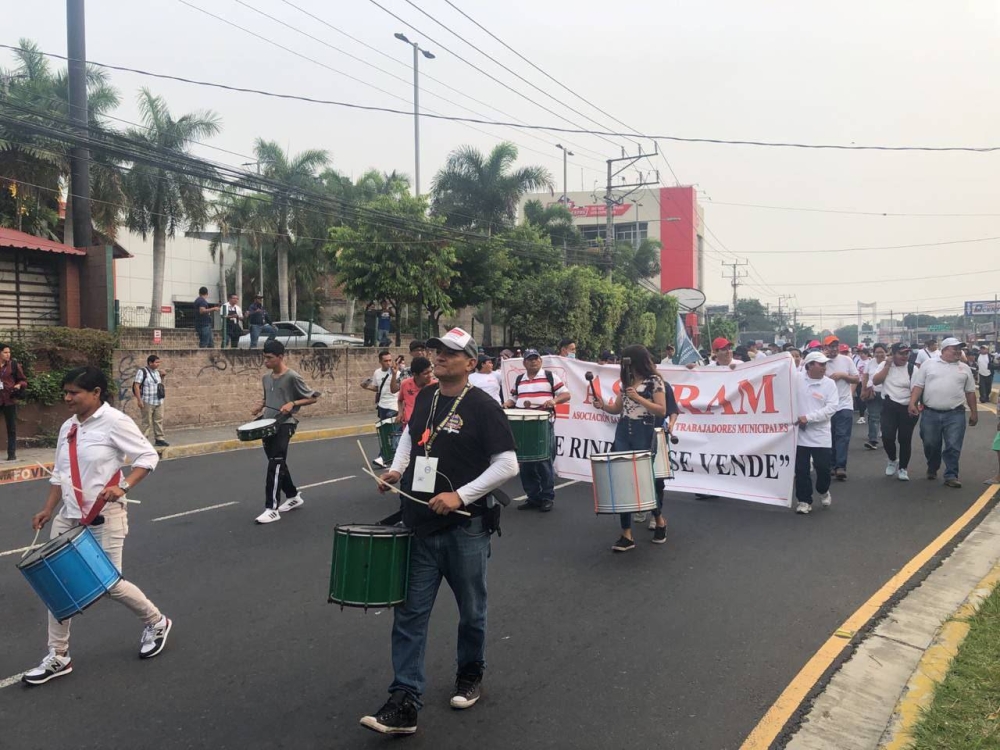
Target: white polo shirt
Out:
[945,384]
[843,363]
[925,356]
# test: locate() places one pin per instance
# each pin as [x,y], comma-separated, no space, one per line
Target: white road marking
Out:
[564,484]
[22,549]
[328,481]
[196,510]
[12,680]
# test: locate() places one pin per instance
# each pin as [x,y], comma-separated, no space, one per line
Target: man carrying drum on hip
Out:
[537,388]
[456,450]
[284,393]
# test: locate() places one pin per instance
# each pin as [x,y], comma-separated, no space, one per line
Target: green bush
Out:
[47,354]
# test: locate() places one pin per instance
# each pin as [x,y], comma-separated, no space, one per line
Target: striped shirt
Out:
[537,389]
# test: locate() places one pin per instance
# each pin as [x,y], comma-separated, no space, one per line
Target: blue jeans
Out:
[637,435]
[538,479]
[205,337]
[840,425]
[257,330]
[458,555]
[947,426]
[874,418]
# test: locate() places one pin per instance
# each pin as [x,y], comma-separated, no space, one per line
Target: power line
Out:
[876,247]
[550,128]
[851,213]
[884,281]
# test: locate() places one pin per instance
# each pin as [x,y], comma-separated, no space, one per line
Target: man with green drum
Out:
[536,389]
[455,451]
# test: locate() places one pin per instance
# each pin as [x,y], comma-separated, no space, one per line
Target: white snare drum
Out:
[661,461]
[257,430]
[623,482]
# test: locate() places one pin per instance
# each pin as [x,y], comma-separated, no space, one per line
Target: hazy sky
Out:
[903,72]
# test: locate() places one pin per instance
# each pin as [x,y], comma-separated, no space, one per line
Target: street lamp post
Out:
[566,153]
[417,51]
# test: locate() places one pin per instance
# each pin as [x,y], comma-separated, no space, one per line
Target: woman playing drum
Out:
[643,406]
[93,446]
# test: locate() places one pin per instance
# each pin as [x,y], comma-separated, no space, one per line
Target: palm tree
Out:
[159,198]
[554,220]
[481,193]
[237,217]
[296,175]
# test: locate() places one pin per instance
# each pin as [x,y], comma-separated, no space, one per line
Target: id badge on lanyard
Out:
[425,474]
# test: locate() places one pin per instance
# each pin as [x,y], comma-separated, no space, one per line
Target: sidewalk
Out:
[198,442]
[878,694]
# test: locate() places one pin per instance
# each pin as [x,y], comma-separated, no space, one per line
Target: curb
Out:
[224,446]
[935,664]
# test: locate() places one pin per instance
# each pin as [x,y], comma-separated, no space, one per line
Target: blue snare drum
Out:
[70,573]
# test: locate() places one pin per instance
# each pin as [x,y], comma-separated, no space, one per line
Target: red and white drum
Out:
[623,482]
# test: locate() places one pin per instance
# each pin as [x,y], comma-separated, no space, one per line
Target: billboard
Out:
[984,307]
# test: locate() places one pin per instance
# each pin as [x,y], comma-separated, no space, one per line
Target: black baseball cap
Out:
[898,347]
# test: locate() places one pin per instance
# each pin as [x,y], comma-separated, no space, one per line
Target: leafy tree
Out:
[848,334]
[635,263]
[554,220]
[295,175]
[481,193]
[723,326]
[159,198]
[377,259]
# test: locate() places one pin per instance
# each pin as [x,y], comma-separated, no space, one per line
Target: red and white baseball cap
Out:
[457,340]
[720,343]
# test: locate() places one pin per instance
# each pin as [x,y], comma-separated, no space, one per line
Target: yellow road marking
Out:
[768,728]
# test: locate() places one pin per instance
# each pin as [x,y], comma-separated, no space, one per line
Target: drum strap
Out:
[74,471]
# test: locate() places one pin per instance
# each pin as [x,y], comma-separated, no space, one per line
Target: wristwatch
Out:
[125,486]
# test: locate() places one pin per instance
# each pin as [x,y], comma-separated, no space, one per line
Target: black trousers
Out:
[10,417]
[234,332]
[897,425]
[279,478]
[821,459]
[985,386]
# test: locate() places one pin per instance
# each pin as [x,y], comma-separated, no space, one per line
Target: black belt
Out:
[945,411]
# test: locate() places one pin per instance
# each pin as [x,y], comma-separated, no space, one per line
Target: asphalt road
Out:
[683,645]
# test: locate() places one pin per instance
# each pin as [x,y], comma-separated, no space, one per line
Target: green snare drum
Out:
[532,434]
[389,431]
[371,565]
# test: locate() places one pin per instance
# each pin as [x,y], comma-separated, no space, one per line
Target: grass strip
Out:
[965,713]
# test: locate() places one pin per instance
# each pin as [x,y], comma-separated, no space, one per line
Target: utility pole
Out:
[996,332]
[610,200]
[76,51]
[734,278]
[417,51]
[566,154]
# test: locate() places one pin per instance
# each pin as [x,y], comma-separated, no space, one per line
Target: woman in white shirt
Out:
[93,445]
[871,395]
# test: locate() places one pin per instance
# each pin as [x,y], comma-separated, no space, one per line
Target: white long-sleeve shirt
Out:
[105,442]
[818,402]
[503,466]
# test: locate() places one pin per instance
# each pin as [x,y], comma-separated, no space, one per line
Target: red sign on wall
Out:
[593,210]
[166,309]
[157,336]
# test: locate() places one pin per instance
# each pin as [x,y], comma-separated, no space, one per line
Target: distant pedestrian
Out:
[418,348]
[861,360]
[259,321]
[996,447]
[203,310]
[284,393]
[232,316]
[668,355]
[484,378]
[871,395]
[842,371]
[796,358]
[984,362]
[567,348]
[819,401]
[371,324]
[384,324]
[929,352]
[149,392]
[422,376]
[897,422]
[944,386]
[385,385]
[12,385]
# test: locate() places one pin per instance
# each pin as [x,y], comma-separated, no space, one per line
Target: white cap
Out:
[952,341]
[816,357]
[457,340]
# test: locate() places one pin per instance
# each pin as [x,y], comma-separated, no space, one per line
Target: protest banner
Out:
[735,433]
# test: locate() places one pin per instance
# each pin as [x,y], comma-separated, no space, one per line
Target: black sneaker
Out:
[162,444]
[624,544]
[659,535]
[528,505]
[546,506]
[397,716]
[467,690]
[871,446]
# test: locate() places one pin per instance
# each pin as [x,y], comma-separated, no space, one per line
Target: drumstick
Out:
[365,457]
[406,495]
[33,543]
[123,499]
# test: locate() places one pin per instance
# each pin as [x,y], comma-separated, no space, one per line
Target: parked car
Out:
[295,333]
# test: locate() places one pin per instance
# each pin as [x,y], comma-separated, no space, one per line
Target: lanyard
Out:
[427,439]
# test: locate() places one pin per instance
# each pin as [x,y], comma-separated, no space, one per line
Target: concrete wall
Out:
[218,386]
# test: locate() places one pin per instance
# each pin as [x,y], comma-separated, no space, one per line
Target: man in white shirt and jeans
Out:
[983,362]
[818,402]
[944,386]
[842,371]
[385,384]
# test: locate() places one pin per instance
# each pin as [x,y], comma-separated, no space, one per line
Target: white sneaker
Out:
[377,461]
[862,420]
[891,468]
[902,476]
[268,516]
[52,666]
[291,504]
[154,638]
[803,508]
[652,523]
[638,518]
[826,500]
